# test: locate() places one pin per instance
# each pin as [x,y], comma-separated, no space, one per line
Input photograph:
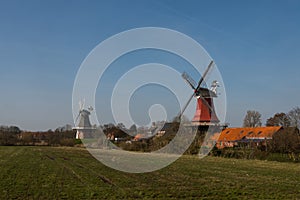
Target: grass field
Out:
[72,173]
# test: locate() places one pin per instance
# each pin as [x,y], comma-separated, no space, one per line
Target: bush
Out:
[67,142]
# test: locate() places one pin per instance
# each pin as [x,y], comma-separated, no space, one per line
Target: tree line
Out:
[289,119]
[12,135]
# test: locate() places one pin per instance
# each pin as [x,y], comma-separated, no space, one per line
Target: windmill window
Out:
[259,132]
[250,132]
[227,132]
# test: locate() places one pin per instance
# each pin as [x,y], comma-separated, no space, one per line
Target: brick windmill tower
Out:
[205,114]
[84,127]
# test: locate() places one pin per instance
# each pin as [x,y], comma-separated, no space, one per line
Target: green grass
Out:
[72,173]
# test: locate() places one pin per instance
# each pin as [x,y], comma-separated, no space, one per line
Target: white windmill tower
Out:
[84,127]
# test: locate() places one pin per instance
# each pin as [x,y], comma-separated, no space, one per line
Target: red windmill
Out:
[205,113]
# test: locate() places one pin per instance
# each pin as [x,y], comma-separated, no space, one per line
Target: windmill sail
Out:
[189,80]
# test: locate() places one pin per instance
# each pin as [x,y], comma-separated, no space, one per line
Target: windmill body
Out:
[205,112]
[84,119]
[84,127]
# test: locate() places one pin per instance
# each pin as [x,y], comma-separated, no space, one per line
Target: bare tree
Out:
[252,119]
[294,116]
[133,129]
[182,118]
[286,140]
[279,119]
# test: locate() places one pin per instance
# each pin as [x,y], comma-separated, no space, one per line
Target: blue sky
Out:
[42,44]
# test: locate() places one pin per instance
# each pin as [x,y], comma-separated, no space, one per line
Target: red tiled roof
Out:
[234,134]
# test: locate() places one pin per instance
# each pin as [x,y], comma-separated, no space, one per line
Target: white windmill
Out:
[84,127]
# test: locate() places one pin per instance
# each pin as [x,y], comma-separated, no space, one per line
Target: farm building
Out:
[231,137]
[163,129]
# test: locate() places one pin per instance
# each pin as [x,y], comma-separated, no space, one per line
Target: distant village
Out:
[280,135]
